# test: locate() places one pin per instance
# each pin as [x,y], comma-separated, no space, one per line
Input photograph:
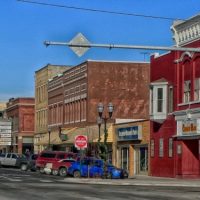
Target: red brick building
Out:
[75,94]
[21,112]
[175,106]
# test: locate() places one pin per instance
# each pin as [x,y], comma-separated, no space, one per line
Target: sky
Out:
[25,26]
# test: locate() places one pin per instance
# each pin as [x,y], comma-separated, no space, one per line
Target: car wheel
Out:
[41,170]
[77,174]
[24,167]
[63,171]
[55,172]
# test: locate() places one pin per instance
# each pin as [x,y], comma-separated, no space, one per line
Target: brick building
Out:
[21,112]
[75,94]
[175,105]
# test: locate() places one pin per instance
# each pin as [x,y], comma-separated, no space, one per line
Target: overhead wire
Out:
[98,10]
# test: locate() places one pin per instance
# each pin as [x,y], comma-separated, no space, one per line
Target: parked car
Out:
[30,163]
[50,157]
[59,167]
[95,168]
[13,159]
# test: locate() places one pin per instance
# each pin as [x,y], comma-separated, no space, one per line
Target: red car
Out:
[60,167]
[52,156]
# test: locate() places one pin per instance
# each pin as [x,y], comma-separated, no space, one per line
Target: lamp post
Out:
[49,131]
[99,122]
[104,118]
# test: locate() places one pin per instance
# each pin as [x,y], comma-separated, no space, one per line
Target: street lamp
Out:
[99,122]
[49,131]
[104,118]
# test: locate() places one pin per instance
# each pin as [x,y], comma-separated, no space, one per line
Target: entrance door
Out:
[124,157]
[141,161]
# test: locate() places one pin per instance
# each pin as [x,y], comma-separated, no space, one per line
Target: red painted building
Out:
[175,106]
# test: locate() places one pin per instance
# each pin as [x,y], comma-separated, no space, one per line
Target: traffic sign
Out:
[81,141]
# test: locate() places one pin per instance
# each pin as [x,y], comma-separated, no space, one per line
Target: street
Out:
[15,184]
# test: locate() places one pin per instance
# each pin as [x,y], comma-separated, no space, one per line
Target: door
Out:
[141,160]
[124,158]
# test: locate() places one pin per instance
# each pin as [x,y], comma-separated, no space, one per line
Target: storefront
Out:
[188,143]
[131,142]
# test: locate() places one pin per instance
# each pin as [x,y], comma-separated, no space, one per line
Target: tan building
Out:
[131,146]
[42,76]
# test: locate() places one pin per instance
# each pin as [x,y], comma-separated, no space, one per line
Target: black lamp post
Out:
[99,122]
[100,109]
[49,131]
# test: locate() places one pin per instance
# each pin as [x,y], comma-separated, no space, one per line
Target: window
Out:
[161,148]
[170,153]
[61,156]
[170,100]
[160,100]
[152,148]
[48,155]
[197,89]
[186,95]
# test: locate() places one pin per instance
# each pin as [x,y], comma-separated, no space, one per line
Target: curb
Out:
[133,182]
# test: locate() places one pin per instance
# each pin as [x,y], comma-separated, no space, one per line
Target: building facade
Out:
[175,105]
[74,96]
[130,146]
[42,76]
[21,112]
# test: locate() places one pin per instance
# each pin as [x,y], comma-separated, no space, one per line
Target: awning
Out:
[92,132]
[54,138]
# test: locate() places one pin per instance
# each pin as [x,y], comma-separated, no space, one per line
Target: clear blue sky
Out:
[24,27]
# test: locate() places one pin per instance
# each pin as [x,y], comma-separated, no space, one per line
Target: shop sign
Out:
[189,127]
[130,133]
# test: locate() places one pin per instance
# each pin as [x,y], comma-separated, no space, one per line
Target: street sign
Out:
[81,141]
[79,39]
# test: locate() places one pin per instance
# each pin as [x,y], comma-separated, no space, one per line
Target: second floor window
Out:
[187,88]
[197,89]
[160,100]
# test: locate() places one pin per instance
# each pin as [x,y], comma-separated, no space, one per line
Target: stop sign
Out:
[81,141]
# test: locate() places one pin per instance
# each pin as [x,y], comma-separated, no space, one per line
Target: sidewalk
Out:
[138,181]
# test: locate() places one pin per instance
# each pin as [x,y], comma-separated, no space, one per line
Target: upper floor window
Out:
[187,88]
[158,100]
[197,89]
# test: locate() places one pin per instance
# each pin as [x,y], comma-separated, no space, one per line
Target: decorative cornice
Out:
[185,32]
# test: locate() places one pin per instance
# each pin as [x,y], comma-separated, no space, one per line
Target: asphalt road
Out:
[17,185]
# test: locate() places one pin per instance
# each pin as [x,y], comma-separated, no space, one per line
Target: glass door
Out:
[124,158]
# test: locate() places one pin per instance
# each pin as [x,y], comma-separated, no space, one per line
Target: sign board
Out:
[81,141]
[130,133]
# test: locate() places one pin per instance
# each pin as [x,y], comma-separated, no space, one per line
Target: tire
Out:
[77,174]
[41,170]
[55,172]
[24,167]
[63,171]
